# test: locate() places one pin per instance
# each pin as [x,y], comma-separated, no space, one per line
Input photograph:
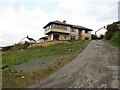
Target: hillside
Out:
[25,67]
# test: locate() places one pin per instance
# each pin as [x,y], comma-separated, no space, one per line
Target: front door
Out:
[55,36]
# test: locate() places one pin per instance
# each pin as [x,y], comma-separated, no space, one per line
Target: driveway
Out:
[95,67]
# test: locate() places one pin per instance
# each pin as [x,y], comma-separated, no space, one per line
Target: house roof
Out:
[72,26]
[46,37]
[117,22]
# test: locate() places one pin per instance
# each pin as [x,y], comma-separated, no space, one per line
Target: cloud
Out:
[16,25]
[19,18]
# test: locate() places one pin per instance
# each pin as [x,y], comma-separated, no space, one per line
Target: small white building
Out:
[25,39]
[100,32]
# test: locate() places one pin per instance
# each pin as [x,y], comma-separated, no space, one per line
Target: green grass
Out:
[12,58]
[113,43]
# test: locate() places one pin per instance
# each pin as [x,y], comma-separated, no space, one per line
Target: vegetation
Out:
[113,35]
[21,79]
[16,47]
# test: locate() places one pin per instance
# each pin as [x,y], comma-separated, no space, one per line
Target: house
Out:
[43,39]
[101,32]
[27,39]
[118,24]
[58,30]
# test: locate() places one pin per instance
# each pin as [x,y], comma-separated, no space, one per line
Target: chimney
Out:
[64,21]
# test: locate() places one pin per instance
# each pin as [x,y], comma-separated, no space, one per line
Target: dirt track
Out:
[95,67]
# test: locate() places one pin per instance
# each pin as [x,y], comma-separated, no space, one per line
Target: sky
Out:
[19,18]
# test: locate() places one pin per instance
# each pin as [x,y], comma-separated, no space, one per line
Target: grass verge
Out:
[113,43]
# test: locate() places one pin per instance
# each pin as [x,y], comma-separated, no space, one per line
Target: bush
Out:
[113,35]
[6,48]
[108,35]
[116,38]
[112,28]
[26,44]
[16,47]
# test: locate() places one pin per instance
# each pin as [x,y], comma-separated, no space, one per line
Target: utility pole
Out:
[119,11]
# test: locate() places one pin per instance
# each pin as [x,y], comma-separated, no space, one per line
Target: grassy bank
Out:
[17,79]
[113,43]
[112,35]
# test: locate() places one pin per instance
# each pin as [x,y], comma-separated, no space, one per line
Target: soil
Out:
[45,44]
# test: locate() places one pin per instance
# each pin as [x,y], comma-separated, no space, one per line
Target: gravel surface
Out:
[42,63]
[95,67]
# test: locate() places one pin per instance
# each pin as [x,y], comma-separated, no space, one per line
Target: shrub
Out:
[112,28]
[108,35]
[116,38]
[6,48]
[26,44]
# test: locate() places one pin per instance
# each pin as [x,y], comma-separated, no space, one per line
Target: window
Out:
[86,31]
[65,36]
[65,27]
[72,37]
[73,30]
[53,26]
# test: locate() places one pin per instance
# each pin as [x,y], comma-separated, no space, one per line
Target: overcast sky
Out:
[19,18]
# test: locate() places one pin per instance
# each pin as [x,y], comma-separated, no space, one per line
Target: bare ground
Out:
[45,44]
[95,67]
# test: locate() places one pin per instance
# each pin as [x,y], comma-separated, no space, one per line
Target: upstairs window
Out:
[86,31]
[53,26]
[73,30]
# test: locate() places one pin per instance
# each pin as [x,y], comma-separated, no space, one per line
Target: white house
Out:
[100,32]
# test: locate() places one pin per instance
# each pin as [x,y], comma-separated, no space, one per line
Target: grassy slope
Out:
[115,40]
[15,80]
[112,36]
[113,43]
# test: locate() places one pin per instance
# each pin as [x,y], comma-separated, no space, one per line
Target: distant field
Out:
[65,52]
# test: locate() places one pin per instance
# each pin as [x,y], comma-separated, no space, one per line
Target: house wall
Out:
[101,32]
[57,30]
[62,37]
[49,37]
[70,33]
[60,27]
[86,35]
[76,33]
